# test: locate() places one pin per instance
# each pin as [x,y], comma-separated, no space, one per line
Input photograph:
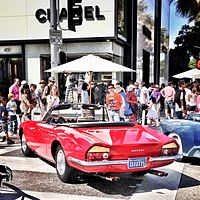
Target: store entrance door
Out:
[10,68]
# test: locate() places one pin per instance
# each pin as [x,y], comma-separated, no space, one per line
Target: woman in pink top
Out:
[198,103]
[132,100]
[168,93]
[14,89]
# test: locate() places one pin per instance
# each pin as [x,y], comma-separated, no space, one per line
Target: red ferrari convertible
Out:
[80,138]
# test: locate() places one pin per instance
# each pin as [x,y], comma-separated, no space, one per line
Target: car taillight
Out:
[98,153]
[170,149]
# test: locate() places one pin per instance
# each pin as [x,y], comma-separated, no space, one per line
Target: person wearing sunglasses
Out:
[113,103]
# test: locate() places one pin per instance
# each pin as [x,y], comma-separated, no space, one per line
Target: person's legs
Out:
[67,94]
[179,114]
[116,117]
[157,122]
[133,118]
[171,105]
[144,113]
[166,109]
[110,115]
[18,111]
[122,119]
[10,125]
[6,137]
[150,122]
[15,124]
[3,129]
[143,117]
[172,113]
[158,110]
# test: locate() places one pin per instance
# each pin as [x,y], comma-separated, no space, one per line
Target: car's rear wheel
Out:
[178,140]
[24,147]
[66,173]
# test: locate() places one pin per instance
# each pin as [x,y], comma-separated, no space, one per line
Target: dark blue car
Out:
[186,132]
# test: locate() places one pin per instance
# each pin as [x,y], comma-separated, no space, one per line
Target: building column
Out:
[157,34]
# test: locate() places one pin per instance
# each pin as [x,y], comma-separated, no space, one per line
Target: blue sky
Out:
[176,23]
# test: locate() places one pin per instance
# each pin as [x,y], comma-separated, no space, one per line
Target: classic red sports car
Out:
[80,138]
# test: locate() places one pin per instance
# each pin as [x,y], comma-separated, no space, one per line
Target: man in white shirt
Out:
[180,103]
[144,99]
[144,94]
[187,97]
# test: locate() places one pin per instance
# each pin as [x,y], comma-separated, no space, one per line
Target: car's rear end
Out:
[125,149]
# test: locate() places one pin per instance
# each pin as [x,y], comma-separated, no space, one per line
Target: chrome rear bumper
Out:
[119,162]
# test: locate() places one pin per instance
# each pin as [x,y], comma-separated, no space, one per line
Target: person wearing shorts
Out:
[168,93]
[169,108]
[4,121]
[113,103]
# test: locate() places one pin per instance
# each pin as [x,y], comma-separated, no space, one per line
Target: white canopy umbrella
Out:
[193,73]
[90,63]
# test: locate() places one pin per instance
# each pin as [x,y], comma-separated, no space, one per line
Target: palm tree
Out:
[188,8]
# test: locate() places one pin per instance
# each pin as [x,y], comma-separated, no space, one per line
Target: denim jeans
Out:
[114,115]
[12,124]
[179,114]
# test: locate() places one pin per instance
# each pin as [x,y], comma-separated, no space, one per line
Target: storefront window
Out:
[10,68]
[164,39]
[145,40]
[122,18]
[45,65]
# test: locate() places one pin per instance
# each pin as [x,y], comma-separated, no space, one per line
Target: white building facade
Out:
[101,27]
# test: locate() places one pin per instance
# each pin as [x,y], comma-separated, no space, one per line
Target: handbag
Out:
[128,111]
[144,106]
[134,108]
[44,101]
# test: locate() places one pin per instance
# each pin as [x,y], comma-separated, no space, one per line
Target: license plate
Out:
[136,163]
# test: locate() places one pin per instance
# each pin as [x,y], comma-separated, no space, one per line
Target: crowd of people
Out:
[139,101]
[135,102]
[22,100]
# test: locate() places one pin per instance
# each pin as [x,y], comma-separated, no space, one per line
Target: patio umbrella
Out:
[90,63]
[193,73]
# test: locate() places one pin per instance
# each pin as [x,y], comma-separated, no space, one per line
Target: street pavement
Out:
[34,179]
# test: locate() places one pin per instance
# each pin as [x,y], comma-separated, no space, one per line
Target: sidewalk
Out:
[14,137]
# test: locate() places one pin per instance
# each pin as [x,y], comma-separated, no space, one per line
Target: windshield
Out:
[70,113]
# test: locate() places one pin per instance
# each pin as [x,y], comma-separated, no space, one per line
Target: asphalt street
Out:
[36,179]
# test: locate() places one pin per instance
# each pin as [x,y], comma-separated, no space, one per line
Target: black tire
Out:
[24,147]
[65,173]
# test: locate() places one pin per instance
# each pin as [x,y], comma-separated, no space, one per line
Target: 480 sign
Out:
[74,14]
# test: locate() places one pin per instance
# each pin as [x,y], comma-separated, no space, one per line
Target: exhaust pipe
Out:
[108,178]
[157,173]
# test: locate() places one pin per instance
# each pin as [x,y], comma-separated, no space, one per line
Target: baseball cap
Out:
[52,79]
[118,88]
[23,82]
[130,88]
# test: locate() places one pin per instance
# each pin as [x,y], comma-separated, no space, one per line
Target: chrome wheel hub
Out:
[24,145]
[61,163]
